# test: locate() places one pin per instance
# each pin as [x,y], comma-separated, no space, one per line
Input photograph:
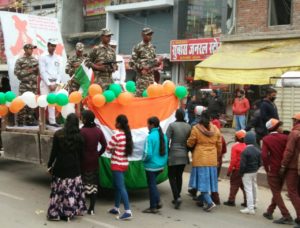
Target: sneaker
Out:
[159,206]
[248,211]
[192,192]
[56,218]
[209,207]
[229,203]
[114,211]
[150,211]
[284,220]
[200,204]
[268,216]
[178,203]
[91,212]
[125,216]
[244,204]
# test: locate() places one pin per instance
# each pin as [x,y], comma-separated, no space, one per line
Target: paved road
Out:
[24,192]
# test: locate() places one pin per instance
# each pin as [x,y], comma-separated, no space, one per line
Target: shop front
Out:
[186,54]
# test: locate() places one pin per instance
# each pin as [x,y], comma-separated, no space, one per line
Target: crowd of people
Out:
[74,163]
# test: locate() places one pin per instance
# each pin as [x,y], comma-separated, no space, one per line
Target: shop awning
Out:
[252,62]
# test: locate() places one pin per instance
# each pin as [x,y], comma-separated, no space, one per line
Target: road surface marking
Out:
[11,196]
[106,225]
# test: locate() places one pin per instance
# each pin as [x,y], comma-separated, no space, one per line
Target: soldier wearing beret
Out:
[99,56]
[143,60]
[27,71]
[72,65]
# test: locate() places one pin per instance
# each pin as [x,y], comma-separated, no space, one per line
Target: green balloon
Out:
[130,86]
[51,98]
[180,92]
[116,88]
[61,99]
[9,96]
[145,94]
[2,98]
[109,96]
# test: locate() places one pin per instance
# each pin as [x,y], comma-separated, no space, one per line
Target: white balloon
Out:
[63,91]
[42,101]
[67,109]
[7,103]
[29,99]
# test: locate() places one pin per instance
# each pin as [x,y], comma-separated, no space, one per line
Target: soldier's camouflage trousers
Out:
[27,115]
[104,82]
[142,83]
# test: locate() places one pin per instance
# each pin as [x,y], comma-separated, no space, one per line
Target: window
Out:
[280,12]
[203,18]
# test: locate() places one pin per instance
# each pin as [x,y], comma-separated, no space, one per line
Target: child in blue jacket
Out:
[155,158]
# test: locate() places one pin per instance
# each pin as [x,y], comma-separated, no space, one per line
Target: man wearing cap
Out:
[72,65]
[143,61]
[50,68]
[27,71]
[272,152]
[216,105]
[100,55]
[119,76]
[290,166]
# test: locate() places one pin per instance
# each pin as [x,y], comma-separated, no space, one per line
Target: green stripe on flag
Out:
[83,80]
[135,176]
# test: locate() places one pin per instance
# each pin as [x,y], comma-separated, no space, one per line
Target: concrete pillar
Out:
[72,17]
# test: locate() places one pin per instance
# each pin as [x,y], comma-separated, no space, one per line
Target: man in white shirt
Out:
[119,76]
[50,66]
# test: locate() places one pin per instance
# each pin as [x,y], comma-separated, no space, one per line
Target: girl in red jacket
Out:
[233,170]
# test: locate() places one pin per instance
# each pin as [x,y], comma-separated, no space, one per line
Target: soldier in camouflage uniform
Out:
[143,60]
[72,65]
[27,71]
[102,54]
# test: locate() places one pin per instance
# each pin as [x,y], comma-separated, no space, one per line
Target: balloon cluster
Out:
[65,103]
[99,98]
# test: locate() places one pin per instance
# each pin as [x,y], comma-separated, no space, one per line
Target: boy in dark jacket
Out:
[250,163]
[272,154]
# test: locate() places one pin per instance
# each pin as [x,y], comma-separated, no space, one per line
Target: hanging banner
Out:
[95,7]
[194,49]
[20,29]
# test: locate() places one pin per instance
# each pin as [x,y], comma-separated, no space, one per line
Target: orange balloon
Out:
[75,97]
[94,89]
[98,100]
[16,105]
[155,90]
[125,98]
[151,90]
[58,108]
[169,87]
[160,90]
[3,110]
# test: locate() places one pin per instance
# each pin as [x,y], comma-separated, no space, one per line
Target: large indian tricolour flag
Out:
[137,112]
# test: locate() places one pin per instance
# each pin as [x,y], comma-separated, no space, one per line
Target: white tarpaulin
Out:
[289,79]
[19,29]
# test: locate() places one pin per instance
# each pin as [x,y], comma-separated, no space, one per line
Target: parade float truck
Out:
[33,144]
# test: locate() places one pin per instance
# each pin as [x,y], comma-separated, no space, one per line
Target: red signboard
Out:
[193,50]
[5,3]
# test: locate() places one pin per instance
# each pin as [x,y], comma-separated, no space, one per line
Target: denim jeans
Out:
[120,190]
[153,192]
[206,198]
[240,122]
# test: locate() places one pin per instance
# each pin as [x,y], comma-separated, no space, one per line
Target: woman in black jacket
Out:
[67,196]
